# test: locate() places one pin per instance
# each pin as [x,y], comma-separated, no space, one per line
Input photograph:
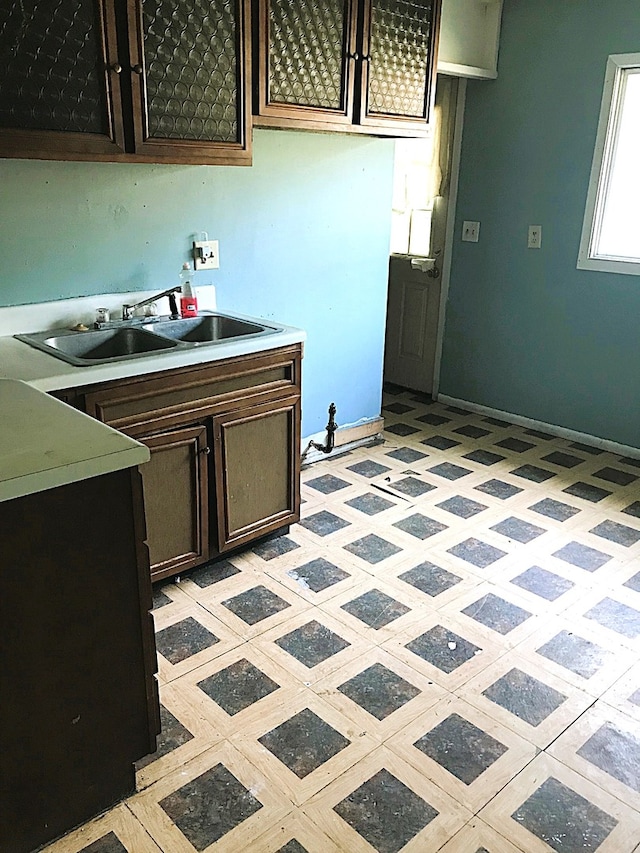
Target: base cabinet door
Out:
[176,499]
[257,471]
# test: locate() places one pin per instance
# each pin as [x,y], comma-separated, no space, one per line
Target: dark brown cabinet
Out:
[126,80]
[79,696]
[354,65]
[225,451]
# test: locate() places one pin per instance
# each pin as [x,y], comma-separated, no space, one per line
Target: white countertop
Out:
[45,443]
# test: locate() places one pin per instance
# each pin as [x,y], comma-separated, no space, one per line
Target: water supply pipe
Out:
[331,427]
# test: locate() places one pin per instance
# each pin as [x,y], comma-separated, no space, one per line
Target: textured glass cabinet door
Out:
[190,95]
[305,60]
[399,49]
[60,80]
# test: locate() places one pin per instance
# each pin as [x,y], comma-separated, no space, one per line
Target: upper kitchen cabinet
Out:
[366,67]
[126,80]
[469,36]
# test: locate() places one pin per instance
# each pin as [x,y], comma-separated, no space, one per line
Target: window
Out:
[414,179]
[611,231]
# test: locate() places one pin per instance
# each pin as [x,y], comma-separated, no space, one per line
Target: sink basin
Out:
[98,347]
[210,328]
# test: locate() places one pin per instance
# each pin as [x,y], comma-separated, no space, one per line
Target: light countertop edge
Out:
[45,444]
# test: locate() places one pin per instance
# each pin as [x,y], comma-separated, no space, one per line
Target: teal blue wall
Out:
[526,331]
[304,239]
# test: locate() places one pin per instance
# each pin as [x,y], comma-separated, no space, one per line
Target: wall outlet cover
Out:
[206,255]
[470,231]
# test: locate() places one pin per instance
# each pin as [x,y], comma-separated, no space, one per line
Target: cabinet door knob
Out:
[206,451]
[116,68]
[137,69]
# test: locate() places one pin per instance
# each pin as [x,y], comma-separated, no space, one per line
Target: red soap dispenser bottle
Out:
[188,298]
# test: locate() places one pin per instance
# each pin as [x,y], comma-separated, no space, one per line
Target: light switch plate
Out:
[470,231]
[206,255]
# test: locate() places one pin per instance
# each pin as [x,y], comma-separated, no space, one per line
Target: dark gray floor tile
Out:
[372,548]
[462,507]
[440,442]
[429,578]
[516,528]
[615,475]
[273,548]
[324,523]
[472,431]
[442,648]
[458,411]
[172,735]
[618,617]
[588,492]
[557,510]
[292,847]
[498,489]
[327,484]
[575,653]
[635,698]
[210,806]
[375,608]
[393,389]
[627,460]
[496,422]
[433,419]
[633,509]
[412,486]
[526,697]
[461,748]
[160,599]
[107,844]
[543,583]
[634,582]
[379,691]
[615,751]
[318,574]
[373,810]
[256,604]
[483,457]
[368,468]
[406,454]
[586,448]
[397,408]
[563,819]
[563,460]
[304,743]
[479,554]
[516,445]
[420,526]
[370,504]
[582,556]
[184,639]
[237,686]
[496,613]
[450,471]
[212,573]
[535,433]
[618,533]
[312,643]
[533,473]
[401,429]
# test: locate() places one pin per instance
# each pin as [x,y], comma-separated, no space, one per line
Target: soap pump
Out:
[188,298]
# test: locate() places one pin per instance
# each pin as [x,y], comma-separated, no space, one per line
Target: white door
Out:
[420,211]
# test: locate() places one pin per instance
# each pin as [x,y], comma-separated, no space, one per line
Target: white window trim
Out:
[598,180]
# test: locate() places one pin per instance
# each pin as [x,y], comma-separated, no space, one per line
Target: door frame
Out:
[456,151]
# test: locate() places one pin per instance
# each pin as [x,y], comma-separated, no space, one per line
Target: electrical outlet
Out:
[206,255]
[470,231]
[535,237]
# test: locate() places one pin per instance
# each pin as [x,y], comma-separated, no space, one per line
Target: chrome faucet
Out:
[127,310]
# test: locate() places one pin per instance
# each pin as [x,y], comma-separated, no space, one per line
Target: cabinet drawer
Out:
[202,390]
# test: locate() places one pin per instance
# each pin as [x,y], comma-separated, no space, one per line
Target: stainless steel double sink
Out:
[133,339]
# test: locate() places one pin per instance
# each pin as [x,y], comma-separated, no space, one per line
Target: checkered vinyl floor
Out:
[443,656]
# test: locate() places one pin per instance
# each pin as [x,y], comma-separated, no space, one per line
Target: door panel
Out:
[257,470]
[176,499]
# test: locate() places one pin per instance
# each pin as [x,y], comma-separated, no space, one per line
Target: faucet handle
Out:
[127,312]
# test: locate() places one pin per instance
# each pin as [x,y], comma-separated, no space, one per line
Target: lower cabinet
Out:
[176,490]
[224,438]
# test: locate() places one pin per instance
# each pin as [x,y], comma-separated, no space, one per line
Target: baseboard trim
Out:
[553,429]
[345,438]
